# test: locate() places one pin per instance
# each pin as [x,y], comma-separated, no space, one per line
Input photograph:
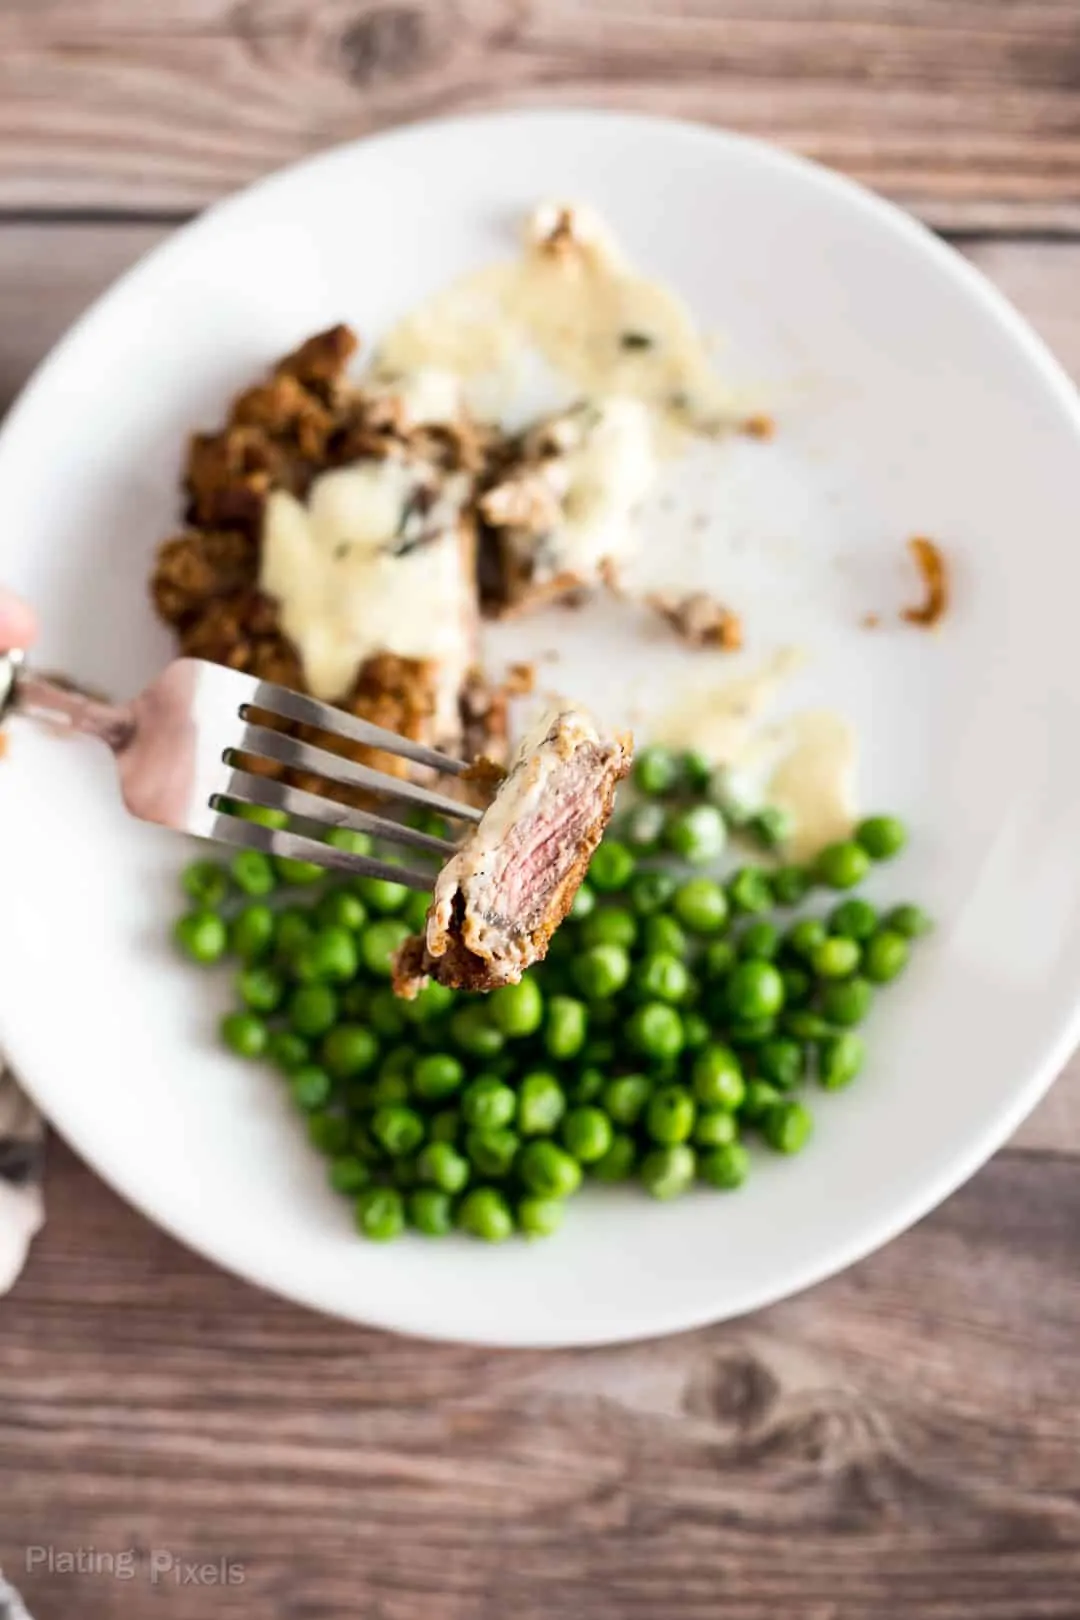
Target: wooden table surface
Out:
[902,1443]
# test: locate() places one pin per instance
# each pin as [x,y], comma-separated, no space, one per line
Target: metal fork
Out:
[176,743]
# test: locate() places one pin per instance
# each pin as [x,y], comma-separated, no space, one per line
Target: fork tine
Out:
[310,712]
[271,841]
[260,740]
[266,791]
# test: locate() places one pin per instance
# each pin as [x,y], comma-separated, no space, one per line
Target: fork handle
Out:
[59,704]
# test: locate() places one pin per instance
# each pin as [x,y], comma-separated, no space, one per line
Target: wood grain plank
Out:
[969,113]
[779,1466]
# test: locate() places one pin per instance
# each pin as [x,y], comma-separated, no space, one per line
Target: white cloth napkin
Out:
[22,1206]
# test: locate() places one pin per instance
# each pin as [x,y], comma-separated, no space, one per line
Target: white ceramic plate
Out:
[910,398]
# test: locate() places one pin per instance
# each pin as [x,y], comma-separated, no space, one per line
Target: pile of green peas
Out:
[677,1018]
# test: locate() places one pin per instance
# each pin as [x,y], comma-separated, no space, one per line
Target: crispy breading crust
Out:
[279,434]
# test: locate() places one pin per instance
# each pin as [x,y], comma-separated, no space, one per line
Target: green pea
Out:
[881,837]
[716,1127]
[245,1034]
[695,770]
[205,882]
[804,937]
[586,1134]
[804,1025]
[759,941]
[380,895]
[885,955]
[415,911]
[853,919]
[662,977]
[342,909]
[836,958]
[386,1013]
[349,1050]
[548,1170]
[297,873]
[348,1174]
[438,1075]
[541,1104]
[586,1087]
[667,1172]
[397,1129]
[720,957]
[797,986]
[787,1127]
[718,1079]
[379,944]
[846,1001]
[312,1010]
[471,1028]
[601,971]
[380,1214]
[440,1165]
[840,1059]
[613,925]
[754,990]
[650,892]
[726,790]
[253,873]
[782,1062]
[750,891]
[790,885]
[287,1051]
[583,904]
[485,1214]
[517,1009]
[487,1104]
[625,1097]
[262,815]
[203,936]
[261,988]
[751,1031]
[670,1115]
[771,827]
[619,1160]
[910,921]
[351,840]
[364,1145]
[445,1126]
[598,1052]
[725,1166]
[539,1217]
[696,1031]
[842,866]
[310,1086]
[656,771]
[612,867]
[655,1030]
[701,906]
[429,1004]
[251,932]
[329,1132]
[761,1098]
[292,931]
[402,1173]
[664,935]
[330,956]
[565,1028]
[430,1211]
[697,834]
[643,827]
[492,1152]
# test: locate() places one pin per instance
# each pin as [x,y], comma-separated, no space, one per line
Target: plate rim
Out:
[1059,1040]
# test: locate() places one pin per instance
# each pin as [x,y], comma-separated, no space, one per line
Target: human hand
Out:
[18,623]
